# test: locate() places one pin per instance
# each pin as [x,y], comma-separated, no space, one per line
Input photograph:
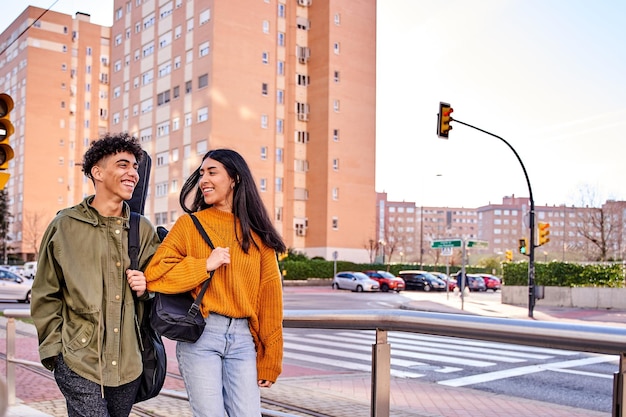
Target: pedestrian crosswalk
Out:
[414,355]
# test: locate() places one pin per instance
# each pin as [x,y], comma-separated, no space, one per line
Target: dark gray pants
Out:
[84,398]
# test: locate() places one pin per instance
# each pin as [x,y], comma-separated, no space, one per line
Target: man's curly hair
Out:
[110,145]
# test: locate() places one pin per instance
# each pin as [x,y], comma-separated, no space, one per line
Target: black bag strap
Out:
[133,240]
[195,306]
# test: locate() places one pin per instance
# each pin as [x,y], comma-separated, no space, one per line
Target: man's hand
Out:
[137,281]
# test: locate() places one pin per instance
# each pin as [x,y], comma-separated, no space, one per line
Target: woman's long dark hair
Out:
[247,204]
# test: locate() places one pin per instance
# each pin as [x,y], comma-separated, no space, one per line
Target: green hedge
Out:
[563,274]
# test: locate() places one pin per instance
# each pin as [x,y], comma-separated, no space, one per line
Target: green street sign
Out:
[477,243]
[450,243]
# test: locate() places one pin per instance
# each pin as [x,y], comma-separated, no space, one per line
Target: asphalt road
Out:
[561,377]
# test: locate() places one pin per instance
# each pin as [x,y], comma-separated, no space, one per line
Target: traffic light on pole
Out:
[443,120]
[523,246]
[509,255]
[6,130]
[544,233]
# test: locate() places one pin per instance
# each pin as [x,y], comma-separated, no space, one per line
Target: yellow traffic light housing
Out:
[443,120]
[523,246]
[509,255]
[544,233]
[6,130]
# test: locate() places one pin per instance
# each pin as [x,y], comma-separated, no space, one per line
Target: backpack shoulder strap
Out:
[133,240]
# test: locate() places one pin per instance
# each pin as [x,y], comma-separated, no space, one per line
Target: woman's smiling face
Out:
[216,185]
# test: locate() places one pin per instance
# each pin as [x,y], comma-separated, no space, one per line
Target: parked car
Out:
[14,287]
[354,281]
[421,280]
[386,280]
[445,278]
[16,269]
[474,282]
[492,282]
[30,269]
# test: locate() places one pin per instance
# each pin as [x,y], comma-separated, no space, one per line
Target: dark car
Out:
[492,282]
[446,278]
[421,280]
[474,282]
[387,280]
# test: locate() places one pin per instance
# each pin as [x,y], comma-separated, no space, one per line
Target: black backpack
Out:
[152,348]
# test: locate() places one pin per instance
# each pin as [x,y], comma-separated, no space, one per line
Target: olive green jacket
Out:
[82,304]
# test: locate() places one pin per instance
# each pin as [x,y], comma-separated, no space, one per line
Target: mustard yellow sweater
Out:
[249,287]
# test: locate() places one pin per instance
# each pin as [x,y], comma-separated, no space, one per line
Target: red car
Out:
[492,282]
[387,280]
[445,278]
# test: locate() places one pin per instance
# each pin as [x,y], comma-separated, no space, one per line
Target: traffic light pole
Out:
[531,244]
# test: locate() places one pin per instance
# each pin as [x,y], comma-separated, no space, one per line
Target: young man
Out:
[82,302]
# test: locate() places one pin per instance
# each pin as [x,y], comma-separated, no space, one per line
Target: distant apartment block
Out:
[576,233]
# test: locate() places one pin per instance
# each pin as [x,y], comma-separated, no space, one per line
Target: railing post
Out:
[618,388]
[10,362]
[381,375]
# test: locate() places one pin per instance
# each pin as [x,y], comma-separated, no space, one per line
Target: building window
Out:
[264,89]
[188,119]
[264,152]
[336,105]
[336,48]
[279,185]
[264,121]
[279,155]
[266,26]
[265,57]
[337,19]
[203,81]
[203,114]
[187,87]
[335,223]
[205,16]
[336,76]
[335,193]
[281,10]
[280,68]
[263,185]
[280,96]
[336,135]
[301,137]
[202,147]
[281,39]
[203,49]
[336,164]
[279,126]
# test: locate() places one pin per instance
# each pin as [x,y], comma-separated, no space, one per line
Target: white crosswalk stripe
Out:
[352,350]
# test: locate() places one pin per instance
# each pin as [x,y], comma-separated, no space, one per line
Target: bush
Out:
[564,274]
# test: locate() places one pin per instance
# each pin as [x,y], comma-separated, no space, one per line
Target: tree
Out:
[598,225]
[5,223]
[33,226]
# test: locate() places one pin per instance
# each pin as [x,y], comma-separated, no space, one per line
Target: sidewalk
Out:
[347,393]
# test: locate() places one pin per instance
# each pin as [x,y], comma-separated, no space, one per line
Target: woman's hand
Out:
[137,281]
[218,257]
[264,383]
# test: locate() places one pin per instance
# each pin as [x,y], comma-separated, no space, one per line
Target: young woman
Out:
[242,345]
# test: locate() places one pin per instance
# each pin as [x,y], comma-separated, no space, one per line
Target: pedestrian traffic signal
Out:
[509,255]
[523,246]
[443,120]
[544,233]
[6,130]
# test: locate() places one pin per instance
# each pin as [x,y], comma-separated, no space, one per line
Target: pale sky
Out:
[545,75]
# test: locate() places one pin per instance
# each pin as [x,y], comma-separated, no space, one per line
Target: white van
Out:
[30,269]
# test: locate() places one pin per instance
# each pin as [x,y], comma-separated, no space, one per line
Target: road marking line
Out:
[524,370]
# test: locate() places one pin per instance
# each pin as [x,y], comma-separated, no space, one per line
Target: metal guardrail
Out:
[555,335]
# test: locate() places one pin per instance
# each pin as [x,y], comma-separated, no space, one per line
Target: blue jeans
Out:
[219,370]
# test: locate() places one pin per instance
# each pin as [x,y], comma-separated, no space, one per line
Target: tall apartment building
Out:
[57,73]
[289,84]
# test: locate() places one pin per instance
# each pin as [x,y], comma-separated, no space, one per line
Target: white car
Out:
[354,281]
[14,287]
